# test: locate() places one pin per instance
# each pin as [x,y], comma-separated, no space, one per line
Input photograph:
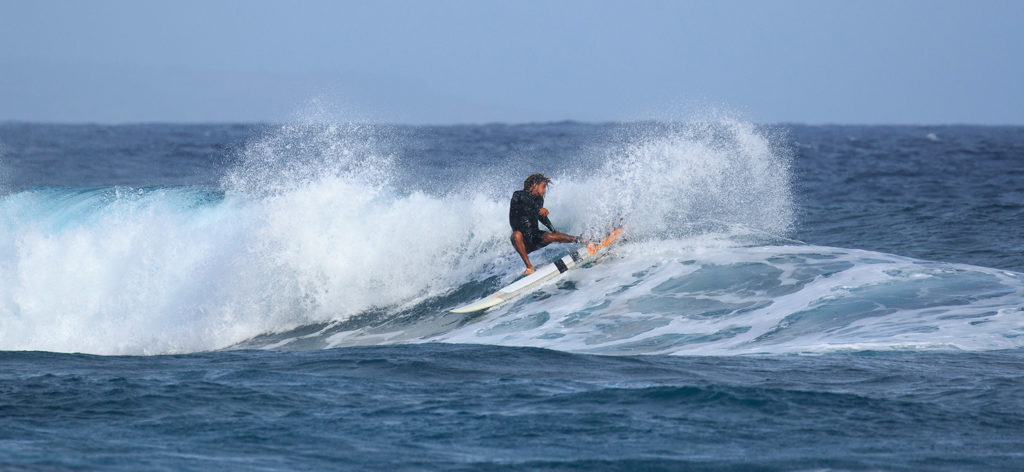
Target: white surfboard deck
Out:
[539,276]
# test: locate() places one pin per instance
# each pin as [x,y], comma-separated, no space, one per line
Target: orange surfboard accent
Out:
[593,248]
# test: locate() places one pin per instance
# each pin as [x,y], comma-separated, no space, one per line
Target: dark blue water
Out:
[951,193]
[257,297]
[444,407]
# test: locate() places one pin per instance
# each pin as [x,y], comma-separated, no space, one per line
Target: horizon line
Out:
[4,122]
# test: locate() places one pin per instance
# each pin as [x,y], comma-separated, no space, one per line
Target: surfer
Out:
[524,212]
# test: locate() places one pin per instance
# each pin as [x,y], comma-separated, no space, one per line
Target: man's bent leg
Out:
[520,246]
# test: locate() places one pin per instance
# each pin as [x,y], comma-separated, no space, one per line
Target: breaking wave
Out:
[315,238]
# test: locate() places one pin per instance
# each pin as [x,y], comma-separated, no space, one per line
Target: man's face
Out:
[539,189]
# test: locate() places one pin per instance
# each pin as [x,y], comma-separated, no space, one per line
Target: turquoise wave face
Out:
[55,209]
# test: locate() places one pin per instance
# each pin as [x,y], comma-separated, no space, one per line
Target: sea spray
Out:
[673,179]
[332,217]
[291,156]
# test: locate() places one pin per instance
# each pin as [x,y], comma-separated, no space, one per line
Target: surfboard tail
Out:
[482,304]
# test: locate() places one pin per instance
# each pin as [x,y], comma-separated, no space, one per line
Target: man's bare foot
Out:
[529,270]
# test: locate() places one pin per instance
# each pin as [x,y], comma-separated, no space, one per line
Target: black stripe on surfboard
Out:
[561,266]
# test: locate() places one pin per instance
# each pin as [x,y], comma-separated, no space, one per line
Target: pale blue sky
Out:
[889,62]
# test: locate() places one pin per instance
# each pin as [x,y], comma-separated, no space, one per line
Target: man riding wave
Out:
[525,211]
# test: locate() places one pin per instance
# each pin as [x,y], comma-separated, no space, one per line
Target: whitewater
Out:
[320,235]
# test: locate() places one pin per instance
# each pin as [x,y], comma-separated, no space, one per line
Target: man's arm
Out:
[543,218]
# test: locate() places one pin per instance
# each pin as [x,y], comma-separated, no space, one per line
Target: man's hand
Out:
[543,212]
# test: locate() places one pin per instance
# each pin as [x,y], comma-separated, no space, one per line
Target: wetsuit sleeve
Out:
[547,222]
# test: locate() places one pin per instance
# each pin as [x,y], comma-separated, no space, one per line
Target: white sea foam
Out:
[156,274]
[673,297]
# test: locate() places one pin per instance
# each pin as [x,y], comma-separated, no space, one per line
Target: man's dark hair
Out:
[534,180]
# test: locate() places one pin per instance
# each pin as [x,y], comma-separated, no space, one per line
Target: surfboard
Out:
[541,275]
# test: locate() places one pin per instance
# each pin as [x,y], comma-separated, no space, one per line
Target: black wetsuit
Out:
[523,215]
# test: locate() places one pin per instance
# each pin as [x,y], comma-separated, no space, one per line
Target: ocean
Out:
[275,296]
